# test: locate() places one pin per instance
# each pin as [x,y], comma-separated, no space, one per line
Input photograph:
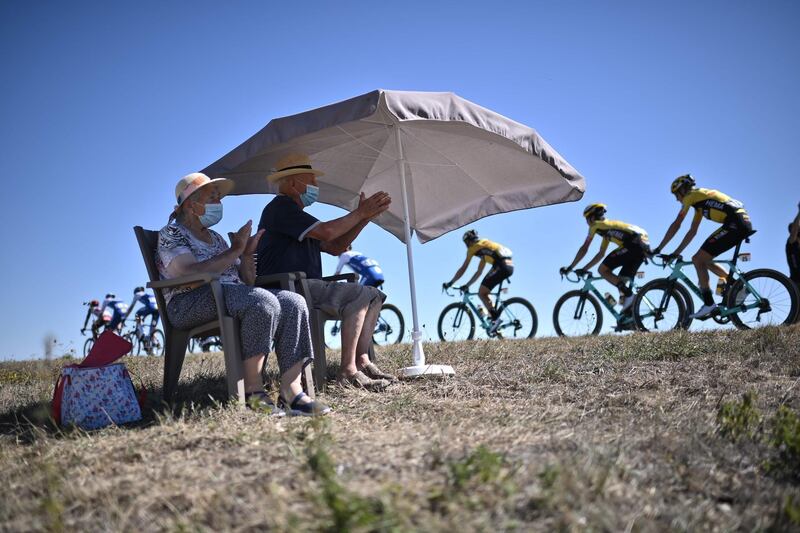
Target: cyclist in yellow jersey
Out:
[490,252]
[633,248]
[717,207]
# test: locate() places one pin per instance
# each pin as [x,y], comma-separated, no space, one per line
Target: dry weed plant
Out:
[610,433]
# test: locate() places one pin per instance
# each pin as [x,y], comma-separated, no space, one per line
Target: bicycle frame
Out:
[588,287]
[467,299]
[678,275]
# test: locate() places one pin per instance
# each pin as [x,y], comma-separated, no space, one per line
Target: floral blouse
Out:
[174,240]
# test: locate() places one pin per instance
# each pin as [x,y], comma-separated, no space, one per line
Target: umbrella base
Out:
[426,370]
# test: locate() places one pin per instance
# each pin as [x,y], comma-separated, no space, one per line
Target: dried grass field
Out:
[645,432]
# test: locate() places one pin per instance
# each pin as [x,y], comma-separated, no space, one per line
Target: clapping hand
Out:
[374,205]
[241,239]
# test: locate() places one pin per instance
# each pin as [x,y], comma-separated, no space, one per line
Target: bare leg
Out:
[483,294]
[365,339]
[252,373]
[351,333]
[702,261]
[718,269]
[610,277]
[290,382]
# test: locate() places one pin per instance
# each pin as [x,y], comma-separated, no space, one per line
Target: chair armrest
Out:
[350,277]
[204,277]
[285,280]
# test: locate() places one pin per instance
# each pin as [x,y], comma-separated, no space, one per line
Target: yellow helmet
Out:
[594,210]
[682,181]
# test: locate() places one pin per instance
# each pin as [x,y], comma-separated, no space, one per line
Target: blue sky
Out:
[106,105]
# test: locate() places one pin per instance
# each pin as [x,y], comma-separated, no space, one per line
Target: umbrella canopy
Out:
[463,161]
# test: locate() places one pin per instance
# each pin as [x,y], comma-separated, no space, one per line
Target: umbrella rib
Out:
[452,163]
[359,141]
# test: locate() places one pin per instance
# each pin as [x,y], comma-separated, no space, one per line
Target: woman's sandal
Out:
[360,380]
[260,401]
[299,408]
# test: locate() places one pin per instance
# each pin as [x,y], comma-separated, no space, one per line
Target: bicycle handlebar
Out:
[666,260]
[579,273]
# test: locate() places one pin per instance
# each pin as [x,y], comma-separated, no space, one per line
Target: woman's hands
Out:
[242,243]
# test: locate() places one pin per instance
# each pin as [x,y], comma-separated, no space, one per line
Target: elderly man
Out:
[293,240]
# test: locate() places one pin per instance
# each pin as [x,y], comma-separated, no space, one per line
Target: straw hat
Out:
[195,181]
[293,164]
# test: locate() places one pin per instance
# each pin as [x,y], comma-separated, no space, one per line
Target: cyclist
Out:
[632,249]
[102,318]
[717,207]
[118,310]
[149,307]
[793,249]
[490,252]
[369,270]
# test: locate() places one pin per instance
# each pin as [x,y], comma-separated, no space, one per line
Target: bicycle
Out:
[153,344]
[747,297]
[204,344]
[87,346]
[389,329]
[571,317]
[517,316]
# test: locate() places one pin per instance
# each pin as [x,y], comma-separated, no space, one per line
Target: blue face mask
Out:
[310,196]
[212,215]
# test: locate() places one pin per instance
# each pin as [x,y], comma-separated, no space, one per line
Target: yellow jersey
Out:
[713,205]
[488,251]
[618,232]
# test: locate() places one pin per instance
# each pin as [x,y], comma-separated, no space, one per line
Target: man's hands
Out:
[241,241]
[373,206]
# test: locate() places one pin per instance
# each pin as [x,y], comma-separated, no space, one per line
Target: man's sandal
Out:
[372,371]
[360,380]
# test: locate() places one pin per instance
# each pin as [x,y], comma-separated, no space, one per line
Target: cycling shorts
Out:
[500,271]
[734,230]
[630,258]
[144,311]
[793,258]
[116,319]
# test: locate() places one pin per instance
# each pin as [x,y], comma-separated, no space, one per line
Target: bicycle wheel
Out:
[778,302]
[157,343]
[87,346]
[519,319]
[573,317]
[390,326]
[456,323]
[659,306]
[333,335]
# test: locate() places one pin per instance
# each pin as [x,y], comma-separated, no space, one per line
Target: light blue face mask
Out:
[310,196]
[212,215]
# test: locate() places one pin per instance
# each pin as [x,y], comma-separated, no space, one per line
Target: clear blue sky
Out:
[106,105]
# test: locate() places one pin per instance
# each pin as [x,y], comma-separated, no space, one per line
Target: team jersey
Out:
[714,205]
[147,300]
[360,264]
[488,251]
[118,306]
[618,232]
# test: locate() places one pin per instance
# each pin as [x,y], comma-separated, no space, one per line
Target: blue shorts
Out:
[144,311]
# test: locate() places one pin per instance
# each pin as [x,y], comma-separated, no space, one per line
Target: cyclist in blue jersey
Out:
[149,307]
[100,320]
[369,270]
[118,311]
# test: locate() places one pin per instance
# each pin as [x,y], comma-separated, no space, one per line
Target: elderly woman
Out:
[187,246]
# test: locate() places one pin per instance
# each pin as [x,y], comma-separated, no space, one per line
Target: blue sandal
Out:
[298,408]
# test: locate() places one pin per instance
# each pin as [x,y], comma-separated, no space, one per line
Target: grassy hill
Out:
[642,432]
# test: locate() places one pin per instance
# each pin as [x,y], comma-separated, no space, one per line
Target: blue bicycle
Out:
[517,317]
[579,312]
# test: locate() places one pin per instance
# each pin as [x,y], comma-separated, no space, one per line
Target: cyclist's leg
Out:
[620,257]
[793,259]
[498,273]
[722,240]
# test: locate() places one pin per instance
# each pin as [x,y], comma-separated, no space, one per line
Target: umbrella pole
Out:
[419,368]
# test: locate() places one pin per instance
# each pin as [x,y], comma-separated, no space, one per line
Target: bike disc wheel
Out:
[519,319]
[778,293]
[456,323]
[157,343]
[333,335]
[577,313]
[659,307]
[390,327]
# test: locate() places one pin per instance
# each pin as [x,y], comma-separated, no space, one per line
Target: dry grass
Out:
[609,433]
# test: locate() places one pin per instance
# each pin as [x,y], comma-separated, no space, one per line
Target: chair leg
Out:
[234,368]
[318,342]
[174,354]
[307,379]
